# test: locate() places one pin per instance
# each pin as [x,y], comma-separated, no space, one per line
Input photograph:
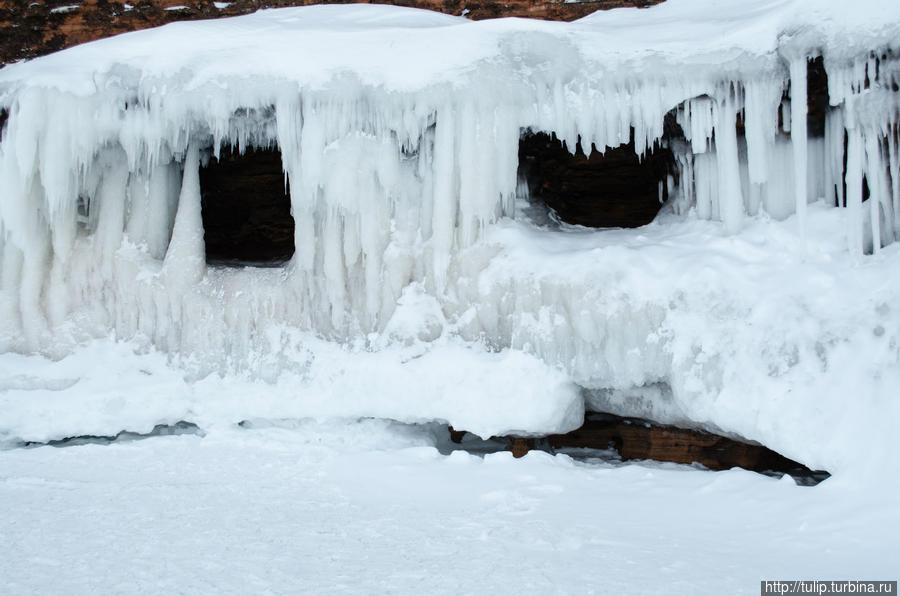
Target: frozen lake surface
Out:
[373,507]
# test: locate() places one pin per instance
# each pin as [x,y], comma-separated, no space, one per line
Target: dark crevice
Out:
[843,181]
[160,430]
[613,189]
[817,104]
[246,209]
[614,438]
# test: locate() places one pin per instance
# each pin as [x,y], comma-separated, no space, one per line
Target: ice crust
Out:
[399,134]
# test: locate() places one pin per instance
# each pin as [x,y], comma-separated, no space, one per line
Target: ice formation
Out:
[399,132]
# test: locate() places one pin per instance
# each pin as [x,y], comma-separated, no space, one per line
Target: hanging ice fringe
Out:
[401,158]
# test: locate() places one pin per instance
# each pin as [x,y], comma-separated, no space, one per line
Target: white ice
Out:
[372,507]
[417,290]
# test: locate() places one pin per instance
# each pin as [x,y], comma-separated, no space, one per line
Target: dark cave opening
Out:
[182,427]
[246,209]
[817,105]
[612,189]
[4,116]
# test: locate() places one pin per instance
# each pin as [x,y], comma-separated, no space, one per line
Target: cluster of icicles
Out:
[101,217]
[778,167]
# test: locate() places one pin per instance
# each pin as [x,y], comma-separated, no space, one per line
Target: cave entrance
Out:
[613,189]
[246,209]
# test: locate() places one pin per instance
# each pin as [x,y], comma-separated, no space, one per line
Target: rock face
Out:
[246,209]
[636,439]
[30,28]
[640,439]
[600,190]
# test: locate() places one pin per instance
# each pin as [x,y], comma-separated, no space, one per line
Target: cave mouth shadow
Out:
[246,209]
[613,189]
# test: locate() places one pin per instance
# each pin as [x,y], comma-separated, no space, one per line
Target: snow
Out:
[426,291]
[338,507]
[106,387]
[419,290]
[676,322]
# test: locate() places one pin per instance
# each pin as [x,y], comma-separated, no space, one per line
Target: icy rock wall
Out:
[779,169]
[398,185]
[106,219]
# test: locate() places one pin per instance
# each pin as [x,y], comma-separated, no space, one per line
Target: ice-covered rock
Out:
[399,134]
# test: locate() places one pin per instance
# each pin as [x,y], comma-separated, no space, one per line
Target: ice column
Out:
[798,137]
[185,262]
[854,184]
[731,203]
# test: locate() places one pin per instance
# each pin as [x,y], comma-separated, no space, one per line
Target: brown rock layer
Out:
[637,439]
[30,28]
[640,439]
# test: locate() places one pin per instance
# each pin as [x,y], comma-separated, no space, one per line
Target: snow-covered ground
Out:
[421,292]
[370,507]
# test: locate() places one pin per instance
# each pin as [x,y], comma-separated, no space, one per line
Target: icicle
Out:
[854,190]
[36,255]
[185,261]
[686,193]
[879,193]
[761,125]
[111,204]
[139,204]
[798,68]
[333,269]
[471,156]
[706,176]
[701,123]
[10,281]
[834,157]
[288,125]
[731,202]
[445,181]
[779,200]
[894,171]
[165,188]
[62,237]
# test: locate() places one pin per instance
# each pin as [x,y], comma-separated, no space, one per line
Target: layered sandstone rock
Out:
[638,439]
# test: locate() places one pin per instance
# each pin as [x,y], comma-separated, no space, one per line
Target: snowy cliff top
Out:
[407,49]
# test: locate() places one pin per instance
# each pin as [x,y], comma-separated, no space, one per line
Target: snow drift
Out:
[399,131]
